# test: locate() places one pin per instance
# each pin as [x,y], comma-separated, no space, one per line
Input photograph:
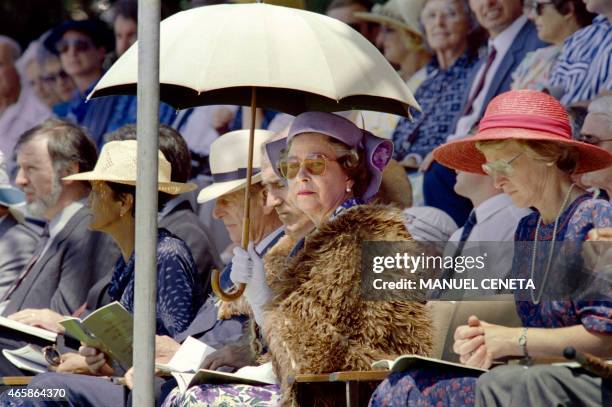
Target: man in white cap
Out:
[17,239]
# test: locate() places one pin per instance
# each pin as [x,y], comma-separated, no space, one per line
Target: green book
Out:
[109,329]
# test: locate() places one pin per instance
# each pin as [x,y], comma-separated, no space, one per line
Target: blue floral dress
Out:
[440,97]
[178,293]
[449,388]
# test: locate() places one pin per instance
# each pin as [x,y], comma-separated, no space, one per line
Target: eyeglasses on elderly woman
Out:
[314,164]
[500,167]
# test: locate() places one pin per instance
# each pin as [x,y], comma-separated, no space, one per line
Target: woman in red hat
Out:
[524,142]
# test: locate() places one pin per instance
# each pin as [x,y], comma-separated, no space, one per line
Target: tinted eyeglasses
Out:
[314,164]
[534,7]
[594,140]
[54,77]
[501,167]
[79,45]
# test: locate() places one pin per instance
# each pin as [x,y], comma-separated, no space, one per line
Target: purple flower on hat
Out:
[382,155]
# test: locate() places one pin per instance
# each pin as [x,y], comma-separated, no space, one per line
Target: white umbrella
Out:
[261,55]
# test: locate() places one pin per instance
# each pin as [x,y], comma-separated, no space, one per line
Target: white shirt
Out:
[19,117]
[198,131]
[497,219]
[502,43]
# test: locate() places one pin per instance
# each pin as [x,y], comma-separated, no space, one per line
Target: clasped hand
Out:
[479,343]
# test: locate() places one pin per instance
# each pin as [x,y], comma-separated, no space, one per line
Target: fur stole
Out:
[317,320]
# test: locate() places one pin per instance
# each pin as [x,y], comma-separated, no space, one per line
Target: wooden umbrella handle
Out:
[216,286]
[216,276]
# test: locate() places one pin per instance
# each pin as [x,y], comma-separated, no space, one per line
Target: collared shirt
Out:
[57,224]
[584,68]
[263,244]
[497,220]
[440,97]
[502,43]
[19,117]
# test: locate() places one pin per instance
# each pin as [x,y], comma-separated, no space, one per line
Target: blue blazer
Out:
[526,41]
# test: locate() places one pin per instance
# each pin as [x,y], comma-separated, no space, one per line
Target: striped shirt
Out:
[584,68]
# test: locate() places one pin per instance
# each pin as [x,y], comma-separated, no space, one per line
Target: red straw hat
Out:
[521,115]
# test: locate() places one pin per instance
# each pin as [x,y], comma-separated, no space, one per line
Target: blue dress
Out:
[179,295]
[435,388]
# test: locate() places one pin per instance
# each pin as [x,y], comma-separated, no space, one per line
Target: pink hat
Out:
[521,115]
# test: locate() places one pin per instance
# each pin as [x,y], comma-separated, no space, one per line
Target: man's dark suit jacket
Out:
[439,181]
[183,222]
[62,277]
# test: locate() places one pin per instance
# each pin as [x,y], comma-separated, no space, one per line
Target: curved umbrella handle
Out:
[215,281]
[216,276]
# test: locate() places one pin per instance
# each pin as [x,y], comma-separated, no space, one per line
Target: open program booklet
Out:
[185,368]
[27,329]
[29,358]
[406,362]
[109,329]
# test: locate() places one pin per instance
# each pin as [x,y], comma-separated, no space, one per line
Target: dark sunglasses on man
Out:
[534,7]
[80,45]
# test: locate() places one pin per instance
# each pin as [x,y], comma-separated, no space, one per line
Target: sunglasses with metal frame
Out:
[501,167]
[80,45]
[314,164]
[534,6]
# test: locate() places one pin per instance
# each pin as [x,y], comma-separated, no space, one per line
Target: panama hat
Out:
[228,162]
[521,115]
[403,14]
[117,163]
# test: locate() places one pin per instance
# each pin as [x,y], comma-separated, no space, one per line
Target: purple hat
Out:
[274,150]
[378,151]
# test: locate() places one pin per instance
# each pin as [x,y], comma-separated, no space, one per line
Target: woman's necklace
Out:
[536,301]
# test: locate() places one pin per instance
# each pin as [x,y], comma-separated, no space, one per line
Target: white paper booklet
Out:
[30,330]
[406,362]
[29,358]
[188,358]
[255,375]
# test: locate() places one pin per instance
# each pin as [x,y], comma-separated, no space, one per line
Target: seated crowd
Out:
[500,148]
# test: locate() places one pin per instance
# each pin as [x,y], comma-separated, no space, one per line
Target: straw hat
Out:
[228,162]
[521,115]
[117,163]
[403,14]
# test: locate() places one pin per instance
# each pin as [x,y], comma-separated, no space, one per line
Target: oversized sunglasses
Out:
[534,6]
[51,78]
[501,167]
[78,44]
[313,164]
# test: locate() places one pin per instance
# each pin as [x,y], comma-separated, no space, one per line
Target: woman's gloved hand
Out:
[248,268]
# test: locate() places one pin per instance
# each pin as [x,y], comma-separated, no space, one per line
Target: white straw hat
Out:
[398,13]
[117,163]
[228,162]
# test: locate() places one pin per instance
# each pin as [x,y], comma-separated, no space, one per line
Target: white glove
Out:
[248,268]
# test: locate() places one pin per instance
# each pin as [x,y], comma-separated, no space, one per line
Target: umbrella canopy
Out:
[299,61]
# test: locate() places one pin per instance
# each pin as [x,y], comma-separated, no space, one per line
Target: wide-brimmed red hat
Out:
[521,115]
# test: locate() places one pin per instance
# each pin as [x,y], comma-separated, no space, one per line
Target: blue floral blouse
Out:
[441,98]
[178,293]
[575,222]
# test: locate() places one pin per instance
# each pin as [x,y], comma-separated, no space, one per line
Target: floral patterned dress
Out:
[449,388]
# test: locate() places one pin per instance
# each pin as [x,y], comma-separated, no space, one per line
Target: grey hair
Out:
[14,45]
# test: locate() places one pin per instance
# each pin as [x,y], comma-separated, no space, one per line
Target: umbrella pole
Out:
[147,128]
[216,276]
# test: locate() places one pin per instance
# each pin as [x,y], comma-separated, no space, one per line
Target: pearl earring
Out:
[348,189]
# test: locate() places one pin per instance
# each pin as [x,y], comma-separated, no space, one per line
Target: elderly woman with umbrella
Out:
[525,144]
[307,298]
